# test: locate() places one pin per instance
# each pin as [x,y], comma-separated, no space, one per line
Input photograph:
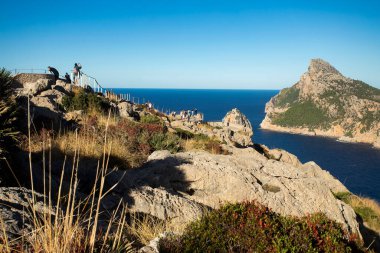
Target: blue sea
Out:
[356,165]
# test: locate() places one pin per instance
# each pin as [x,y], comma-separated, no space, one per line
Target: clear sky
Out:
[193,44]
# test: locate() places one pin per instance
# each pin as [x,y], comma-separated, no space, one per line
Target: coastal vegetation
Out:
[245,226]
[287,96]
[304,114]
[84,100]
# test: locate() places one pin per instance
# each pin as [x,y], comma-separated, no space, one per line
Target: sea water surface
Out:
[355,165]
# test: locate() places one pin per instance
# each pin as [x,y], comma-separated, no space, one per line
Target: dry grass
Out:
[209,145]
[368,209]
[75,229]
[145,228]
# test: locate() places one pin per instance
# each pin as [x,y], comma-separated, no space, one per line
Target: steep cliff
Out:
[324,102]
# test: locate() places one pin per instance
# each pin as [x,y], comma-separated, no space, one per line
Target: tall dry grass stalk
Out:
[70,225]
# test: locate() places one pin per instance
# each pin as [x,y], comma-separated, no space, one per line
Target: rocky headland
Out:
[326,103]
[181,185]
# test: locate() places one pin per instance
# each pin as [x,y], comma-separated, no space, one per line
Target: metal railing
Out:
[29,71]
[84,80]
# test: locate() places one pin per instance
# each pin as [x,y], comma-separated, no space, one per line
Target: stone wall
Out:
[20,79]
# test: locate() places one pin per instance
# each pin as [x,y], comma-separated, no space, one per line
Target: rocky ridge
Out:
[326,103]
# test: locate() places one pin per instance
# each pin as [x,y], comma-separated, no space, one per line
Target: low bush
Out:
[150,119]
[251,227]
[85,101]
[165,141]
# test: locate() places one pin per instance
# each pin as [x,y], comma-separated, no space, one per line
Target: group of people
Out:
[73,78]
[187,114]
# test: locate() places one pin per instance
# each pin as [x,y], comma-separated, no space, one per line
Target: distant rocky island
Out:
[326,103]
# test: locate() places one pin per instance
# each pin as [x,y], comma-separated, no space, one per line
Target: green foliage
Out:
[369,118]
[251,227]
[344,196]
[8,113]
[303,114]
[365,91]
[184,134]
[165,141]
[84,101]
[287,96]
[150,119]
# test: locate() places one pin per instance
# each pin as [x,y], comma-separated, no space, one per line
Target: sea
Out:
[356,165]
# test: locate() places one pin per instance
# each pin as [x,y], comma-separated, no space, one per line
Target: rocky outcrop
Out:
[20,80]
[175,185]
[15,210]
[238,127]
[234,129]
[125,109]
[326,103]
[33,88]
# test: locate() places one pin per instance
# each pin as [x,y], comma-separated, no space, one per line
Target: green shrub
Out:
[165,141]
[303,114]
[8,114]
[184,134]
[84,101]
[150,119]
[287,96]
[251,227]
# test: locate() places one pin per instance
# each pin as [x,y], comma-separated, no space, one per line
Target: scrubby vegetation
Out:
[287,96]
[86,101]
[191,141]
[303,114]
[251,227]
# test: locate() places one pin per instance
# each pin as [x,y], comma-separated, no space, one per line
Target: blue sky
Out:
[193,44]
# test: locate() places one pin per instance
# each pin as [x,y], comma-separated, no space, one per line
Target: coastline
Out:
[265,125]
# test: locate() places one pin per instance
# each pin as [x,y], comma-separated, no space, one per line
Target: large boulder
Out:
[238,128]
[45,107]
[34,88]
[245,175]
[125,109]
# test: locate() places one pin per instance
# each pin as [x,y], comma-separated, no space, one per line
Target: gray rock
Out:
[125,109]
[245,175]
[33,88]
[238,127]
[16,210]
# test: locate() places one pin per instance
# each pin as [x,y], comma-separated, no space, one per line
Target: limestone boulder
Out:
[62,86]
[238,127]
[212,180]
[33,88]
[46,107]
[125,109]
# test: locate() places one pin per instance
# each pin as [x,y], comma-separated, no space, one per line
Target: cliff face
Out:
[324,102]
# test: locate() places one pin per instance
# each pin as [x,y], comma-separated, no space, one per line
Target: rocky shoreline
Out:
[265,124]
